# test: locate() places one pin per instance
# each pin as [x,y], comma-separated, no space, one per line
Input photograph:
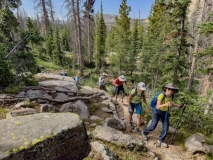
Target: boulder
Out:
[196,144]
[114,123]
[111,135]
[44,136]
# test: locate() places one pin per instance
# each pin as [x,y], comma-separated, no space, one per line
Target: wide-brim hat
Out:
[171,86]
[142,86]
[122,78]
[104,74]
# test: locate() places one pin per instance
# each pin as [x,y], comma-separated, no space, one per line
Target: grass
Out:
[48,65]
[3,112]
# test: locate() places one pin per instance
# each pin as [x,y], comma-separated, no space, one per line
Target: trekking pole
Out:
[173,137]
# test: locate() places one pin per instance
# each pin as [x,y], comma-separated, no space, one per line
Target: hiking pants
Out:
[163,116]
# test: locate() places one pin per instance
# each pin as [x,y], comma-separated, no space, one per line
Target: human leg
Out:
[130,114]
[155,119]
[165,127]
[122,90]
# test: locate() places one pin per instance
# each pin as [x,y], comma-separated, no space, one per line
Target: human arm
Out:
[144,100]
[115,82]
[129,99]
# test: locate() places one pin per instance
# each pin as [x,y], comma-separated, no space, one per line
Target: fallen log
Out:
[12,100]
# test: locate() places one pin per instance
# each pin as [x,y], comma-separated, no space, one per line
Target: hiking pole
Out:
[173,137]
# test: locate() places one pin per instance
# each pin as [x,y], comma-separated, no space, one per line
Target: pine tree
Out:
[57,52]
[100,39]
[122,36]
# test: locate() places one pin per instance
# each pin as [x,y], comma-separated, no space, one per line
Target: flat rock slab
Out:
[44,136]
[68,85]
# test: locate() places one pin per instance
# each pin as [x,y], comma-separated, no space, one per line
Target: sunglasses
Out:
[171,89]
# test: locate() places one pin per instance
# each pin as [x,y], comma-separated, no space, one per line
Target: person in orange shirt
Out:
[118,84]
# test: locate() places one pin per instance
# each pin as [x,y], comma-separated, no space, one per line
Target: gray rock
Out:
[95,118]
[117,137]
[114,123]
[159,127]
[69,85]
[47,108]
[79,108]
[44,136]
[103,151]
[107,110]
[196,144]
[61,96]
[20,104]
[61,89]
[23,112]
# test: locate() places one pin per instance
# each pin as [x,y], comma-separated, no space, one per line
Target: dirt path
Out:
[174,152]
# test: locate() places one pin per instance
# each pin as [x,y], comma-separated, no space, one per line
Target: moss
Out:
[13,136]
[18,123]
[15,150]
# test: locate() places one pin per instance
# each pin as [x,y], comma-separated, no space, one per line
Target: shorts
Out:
[119,89]
[134,106]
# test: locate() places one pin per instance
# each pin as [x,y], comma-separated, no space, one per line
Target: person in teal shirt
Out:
[134,100]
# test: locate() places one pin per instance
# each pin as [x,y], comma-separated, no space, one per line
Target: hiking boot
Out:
[131,125]
[144,136]
[142,123]
[163,144]
[137,131]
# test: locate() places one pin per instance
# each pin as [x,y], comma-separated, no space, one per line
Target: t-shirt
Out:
[116,81]
[160,97]
[77,79]
[136,98]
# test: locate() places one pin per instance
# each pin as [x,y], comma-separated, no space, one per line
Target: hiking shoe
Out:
[137,131]
[142,123]
[144,136]
[163,144]
[131,125]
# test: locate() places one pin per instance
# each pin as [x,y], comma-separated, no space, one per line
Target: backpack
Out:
[154,100]
[136,91]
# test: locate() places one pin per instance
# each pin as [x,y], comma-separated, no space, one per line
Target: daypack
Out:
[136,91]
[154,100]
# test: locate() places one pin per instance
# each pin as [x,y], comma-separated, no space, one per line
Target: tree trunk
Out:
[88,40]
[196,49]
[45,18]
[51,11]
[79,47]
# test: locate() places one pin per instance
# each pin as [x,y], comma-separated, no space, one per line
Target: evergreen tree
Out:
[49,43]
[133,47]
[122,36]
[65,39]
[100,39]
[57,52]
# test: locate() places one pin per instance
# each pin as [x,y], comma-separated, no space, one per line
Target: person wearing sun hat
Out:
[134,100]
[118,84]
[101,82]
[164,102]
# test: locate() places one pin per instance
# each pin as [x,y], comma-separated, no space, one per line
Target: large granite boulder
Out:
[44,136]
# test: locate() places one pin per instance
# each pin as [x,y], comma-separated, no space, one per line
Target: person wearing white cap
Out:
[134,100]
[101,82]
[118,83]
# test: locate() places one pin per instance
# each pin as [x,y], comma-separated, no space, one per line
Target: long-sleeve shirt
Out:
[101,81]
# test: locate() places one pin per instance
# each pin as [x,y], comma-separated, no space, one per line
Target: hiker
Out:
[160,112]
[134,101]
[118,86]
[101,82]
[78,78]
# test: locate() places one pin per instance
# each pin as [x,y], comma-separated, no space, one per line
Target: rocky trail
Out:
[101,121]
[173,152]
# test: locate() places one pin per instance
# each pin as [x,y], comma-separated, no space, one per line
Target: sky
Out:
[109,7]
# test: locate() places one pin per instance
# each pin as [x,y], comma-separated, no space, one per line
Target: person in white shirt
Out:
[101,82]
